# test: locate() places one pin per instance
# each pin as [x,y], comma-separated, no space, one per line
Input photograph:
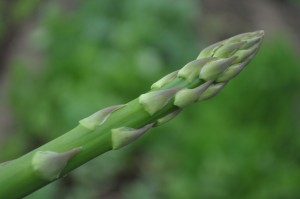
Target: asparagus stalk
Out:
[117,126]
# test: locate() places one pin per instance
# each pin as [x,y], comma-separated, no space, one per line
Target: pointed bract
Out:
[231,72]
[165,80]
[252,42]
[98,118]
[246,36]
[228,49]
[243,55]
[167,118]
[209,51]
[212,91]
[49,164]
[124,135]
[187,96]
[212,70]
[154,101]
[191,70]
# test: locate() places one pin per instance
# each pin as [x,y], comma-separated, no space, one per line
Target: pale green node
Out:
[98,118]
[231,72]
[191,70]
[252,42]
[212,70]
[124,135]
[187,96]
[49,164]
[154,101]
[165,80]
[246,36]
[243,55]
[167,118]
[251,38]
[228,49]
[210,50]
[212,91]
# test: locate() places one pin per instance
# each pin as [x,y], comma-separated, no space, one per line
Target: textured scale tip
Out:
[213,69]
[154,101]
[49,164]
[212,91]
[243,55]
[252,42]
[230,46]
[165,80]
[167,118]
[228,49]
[98,118]
[124,135]
[187,96]
[246,36]
[191,70]
[231,72]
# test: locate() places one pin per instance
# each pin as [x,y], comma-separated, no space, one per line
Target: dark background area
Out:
[63,60]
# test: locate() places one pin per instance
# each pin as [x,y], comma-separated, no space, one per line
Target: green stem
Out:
[115,127]
[19,175]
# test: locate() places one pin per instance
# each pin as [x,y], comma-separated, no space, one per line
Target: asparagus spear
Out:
[117,126]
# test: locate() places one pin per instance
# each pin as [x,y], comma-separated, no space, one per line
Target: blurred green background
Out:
[63,60]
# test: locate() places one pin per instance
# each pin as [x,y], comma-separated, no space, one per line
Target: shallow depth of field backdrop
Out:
[63,60]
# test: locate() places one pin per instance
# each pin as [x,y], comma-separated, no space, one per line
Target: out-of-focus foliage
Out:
[104,53]
[242,144]
[13,13]
[296,2]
